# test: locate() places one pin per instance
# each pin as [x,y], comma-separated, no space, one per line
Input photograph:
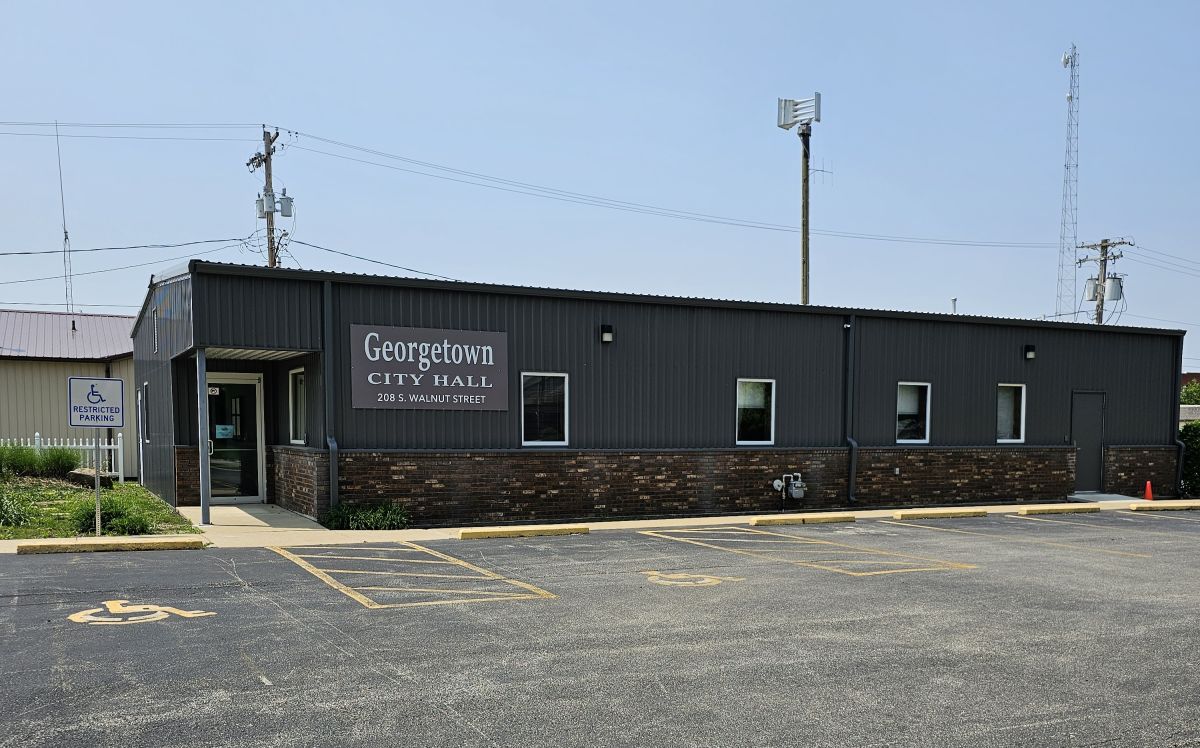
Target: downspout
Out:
[1180,447]
[327,381]
[848,390]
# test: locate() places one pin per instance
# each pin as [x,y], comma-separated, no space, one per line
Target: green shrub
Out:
[387,516]
[118,516]
[1190,436]
[1190,394]
[20,460]
[14,511]
[56,462]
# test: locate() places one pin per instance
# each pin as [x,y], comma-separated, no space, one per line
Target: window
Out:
[543,409]
[156,329]
[756,411]
[296,410]
[1010,413]
[912,413]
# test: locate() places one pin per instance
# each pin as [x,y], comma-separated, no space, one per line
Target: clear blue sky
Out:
[940,120]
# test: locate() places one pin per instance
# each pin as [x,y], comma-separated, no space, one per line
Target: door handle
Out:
[210,447]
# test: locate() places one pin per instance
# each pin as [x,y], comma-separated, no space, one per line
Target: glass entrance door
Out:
[235,438]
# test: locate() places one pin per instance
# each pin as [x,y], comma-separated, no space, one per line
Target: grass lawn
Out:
[48,508]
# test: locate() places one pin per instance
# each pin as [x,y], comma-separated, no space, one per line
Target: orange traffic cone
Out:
[1149,492]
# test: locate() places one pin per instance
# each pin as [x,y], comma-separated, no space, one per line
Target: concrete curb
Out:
[1058,509]
[102,544]
[802,519]
[1165,505]
[940,513]
[527,531]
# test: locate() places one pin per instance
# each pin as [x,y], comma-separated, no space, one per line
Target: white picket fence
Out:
[112,451]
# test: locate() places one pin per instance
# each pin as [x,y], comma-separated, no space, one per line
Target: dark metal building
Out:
[482,403]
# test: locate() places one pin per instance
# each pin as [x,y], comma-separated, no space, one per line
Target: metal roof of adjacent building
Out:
[64,336]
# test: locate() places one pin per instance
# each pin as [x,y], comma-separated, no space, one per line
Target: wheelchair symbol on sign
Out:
[94,397]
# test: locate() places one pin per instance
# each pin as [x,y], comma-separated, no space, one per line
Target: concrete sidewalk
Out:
[262,525]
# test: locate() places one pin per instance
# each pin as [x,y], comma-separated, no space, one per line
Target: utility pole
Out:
[805,134]
[1104,256]
[266,207]
[802,112]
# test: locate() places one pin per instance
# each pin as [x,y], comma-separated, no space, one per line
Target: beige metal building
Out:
[40,350]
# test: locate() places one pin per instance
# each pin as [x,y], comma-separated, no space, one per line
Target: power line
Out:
[377,262]
[1182,261]
[504,184]
[1160,319]
[1177,269]
[44,303]
[138,125]
[160,261]
[130,246]
[124,137]
[600,202]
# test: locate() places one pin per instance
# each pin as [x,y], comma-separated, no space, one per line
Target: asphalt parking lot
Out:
[1072,630]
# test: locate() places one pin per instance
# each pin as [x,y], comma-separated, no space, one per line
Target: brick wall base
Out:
[488,487]
[298,479]
[456,488]
[1126,470]
[187,476]
[895,476]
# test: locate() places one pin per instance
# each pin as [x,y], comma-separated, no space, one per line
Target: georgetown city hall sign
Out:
[425,369]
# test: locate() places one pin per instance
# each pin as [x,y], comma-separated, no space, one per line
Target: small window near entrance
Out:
[1010,413]
[543,409]
[912,413]
[756,411]
[296,400]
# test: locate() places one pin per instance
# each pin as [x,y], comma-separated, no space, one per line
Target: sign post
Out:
[96,403]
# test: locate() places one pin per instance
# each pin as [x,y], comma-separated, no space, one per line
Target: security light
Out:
[606,333]
[1030,352]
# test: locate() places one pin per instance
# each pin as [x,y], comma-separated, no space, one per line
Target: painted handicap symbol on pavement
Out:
[120,613]
[687,580]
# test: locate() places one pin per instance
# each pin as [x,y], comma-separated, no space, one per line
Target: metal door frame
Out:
[1103,428]
[226,377]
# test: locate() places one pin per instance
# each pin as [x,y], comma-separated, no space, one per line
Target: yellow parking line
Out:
[796,540]
[1156,515]
[377,558]
[404,574]
[438,590]
[1068,546]
[344,589]
[1098,527]
[525,585]
[352,548]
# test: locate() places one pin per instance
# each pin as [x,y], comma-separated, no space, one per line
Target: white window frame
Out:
[740,443]
[928,411]
[566,409]
[1023,405]
[291,404]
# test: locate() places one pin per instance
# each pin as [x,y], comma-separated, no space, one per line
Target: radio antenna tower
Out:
[1068,232]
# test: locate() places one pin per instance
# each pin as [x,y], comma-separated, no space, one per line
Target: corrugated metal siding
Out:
[255,312]
[965,362]
[668,380]
[33,399]
[173,300]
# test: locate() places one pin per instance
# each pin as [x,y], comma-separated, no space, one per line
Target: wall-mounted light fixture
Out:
[1030,352]
[606,333]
